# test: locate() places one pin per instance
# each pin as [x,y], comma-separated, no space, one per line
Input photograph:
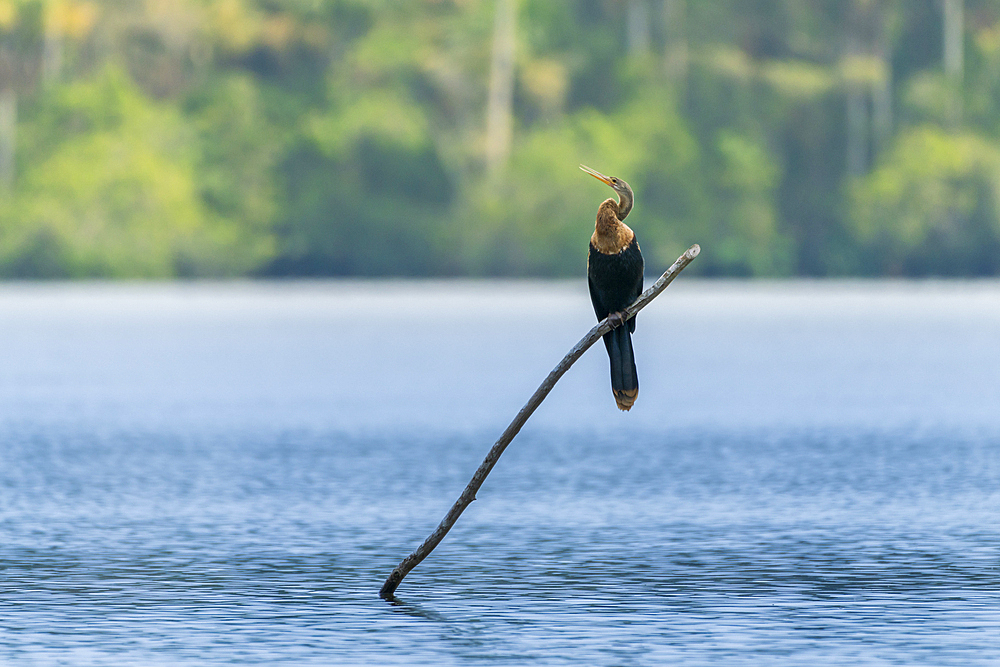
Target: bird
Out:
[614,275]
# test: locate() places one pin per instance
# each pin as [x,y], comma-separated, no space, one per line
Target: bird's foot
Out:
[617,319]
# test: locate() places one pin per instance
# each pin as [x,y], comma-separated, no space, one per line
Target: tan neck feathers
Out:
[611,235]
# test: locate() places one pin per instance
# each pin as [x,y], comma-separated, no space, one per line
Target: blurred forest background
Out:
[163,138]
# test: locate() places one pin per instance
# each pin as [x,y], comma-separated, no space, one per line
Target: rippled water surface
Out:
[205,474]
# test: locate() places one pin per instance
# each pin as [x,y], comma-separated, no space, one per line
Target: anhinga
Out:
[614,274]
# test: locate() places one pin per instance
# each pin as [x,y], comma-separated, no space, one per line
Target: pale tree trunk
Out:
[638,27]
[953,24]
[675,52]
[882,110]
[882,91]
[8,136]
[500,106]
[868,84]
[857,118]
[52,54]
[857,132]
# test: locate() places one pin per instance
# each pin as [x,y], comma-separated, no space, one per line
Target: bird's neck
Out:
[611,235]
[624,205]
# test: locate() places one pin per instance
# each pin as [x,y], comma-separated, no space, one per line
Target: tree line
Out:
[186,138]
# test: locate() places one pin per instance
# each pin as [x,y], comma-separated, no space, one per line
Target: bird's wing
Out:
[595,299]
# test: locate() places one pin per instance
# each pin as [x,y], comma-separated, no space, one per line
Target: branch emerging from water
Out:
[603,327]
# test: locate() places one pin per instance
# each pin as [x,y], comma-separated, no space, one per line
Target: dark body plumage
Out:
[614,275]
[615,282]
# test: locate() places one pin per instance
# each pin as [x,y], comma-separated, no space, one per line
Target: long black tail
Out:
[624,379]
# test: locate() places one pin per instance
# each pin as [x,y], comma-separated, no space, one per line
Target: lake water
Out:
[225,473]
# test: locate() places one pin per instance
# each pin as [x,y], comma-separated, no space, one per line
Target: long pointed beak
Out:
[596,174]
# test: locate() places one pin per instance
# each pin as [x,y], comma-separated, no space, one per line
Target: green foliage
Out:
[239,150]
[745,217]
[931,207]
[347,137]
[537,215]
[114,192]
[366,193]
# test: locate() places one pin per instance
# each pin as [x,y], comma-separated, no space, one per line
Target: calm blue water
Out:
[207,474]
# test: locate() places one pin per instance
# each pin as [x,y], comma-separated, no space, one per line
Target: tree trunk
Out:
[52,54]
[675,50]
[954,34]
[882,93]
[500,106]
[8,136]
[857,114]
[638,27]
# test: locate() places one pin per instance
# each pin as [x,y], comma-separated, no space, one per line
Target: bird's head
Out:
[625,196]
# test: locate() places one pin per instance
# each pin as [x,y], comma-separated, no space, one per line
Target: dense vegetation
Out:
[145,138]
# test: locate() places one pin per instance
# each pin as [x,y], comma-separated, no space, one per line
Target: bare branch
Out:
[603,327]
